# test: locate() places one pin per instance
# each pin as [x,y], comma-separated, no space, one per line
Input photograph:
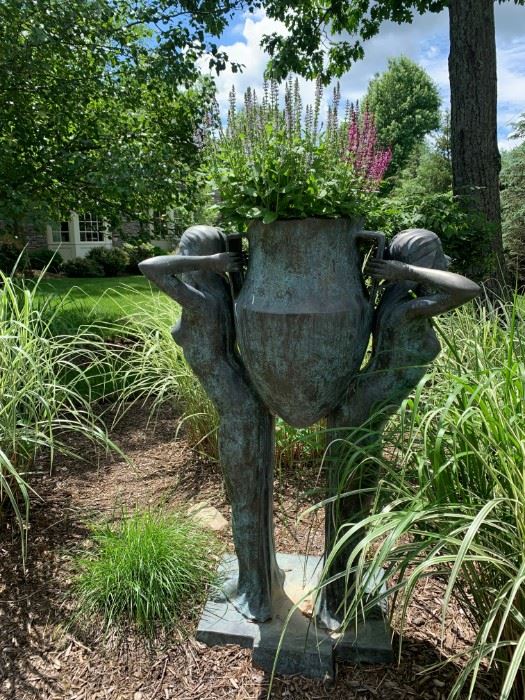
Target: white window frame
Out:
[75,247]
[100,230]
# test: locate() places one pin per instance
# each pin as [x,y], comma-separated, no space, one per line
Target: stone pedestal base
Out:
[305,649]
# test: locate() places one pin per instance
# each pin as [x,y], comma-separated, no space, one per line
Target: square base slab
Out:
[305,649]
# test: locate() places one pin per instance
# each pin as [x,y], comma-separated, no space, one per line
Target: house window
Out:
[60,232]
[91,228]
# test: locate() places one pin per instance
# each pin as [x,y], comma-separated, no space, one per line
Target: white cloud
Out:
[249,53]
[425,41]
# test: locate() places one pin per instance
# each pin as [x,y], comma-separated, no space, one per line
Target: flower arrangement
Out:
[273,162]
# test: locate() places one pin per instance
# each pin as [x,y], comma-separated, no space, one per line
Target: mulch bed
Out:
[46,655]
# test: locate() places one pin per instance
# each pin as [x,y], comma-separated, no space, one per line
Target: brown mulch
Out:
[46,656]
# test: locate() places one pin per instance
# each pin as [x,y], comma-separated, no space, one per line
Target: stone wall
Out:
[33,236]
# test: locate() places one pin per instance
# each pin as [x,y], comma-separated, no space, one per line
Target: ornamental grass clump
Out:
[150,568]
[152,371]
[451,500]
[282,163]
[46,383]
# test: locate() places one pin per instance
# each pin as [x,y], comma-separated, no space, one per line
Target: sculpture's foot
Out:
[253,607]
[253,601]
[332,616]
[327,618]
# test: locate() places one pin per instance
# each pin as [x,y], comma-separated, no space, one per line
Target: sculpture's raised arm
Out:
[451,289]
[162,270]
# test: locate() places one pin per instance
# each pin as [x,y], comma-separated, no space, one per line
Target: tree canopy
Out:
[94,115]
[405,103]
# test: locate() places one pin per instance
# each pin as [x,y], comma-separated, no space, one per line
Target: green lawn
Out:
[107,299]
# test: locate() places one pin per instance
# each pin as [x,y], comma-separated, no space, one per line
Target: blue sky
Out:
[425,41]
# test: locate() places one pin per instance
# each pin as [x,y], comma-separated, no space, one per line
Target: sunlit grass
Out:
[98,300]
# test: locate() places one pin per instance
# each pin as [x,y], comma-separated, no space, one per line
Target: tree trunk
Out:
[476,160]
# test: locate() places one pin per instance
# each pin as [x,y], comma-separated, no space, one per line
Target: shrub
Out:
[113,261]
[137,252]
[428,169]
[11,255]
[513,211]
[465,236]
[150,568]
[43,258]
[82,267]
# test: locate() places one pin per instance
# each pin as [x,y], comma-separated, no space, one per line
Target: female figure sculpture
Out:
[195,278]
[417,286]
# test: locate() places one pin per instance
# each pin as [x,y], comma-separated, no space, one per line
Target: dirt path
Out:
[44,658]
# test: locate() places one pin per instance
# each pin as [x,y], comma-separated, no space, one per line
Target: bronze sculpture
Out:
[416,287]
[302,330]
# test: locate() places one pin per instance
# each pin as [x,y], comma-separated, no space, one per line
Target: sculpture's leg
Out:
[371,399]
[345,510]
[246,440]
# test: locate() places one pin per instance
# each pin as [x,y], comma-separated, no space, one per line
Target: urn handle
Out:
[374,237]
[380,240]
[234,245]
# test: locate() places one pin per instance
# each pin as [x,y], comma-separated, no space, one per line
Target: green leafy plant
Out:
[465,234]
[82,267]
[271,163]
[150,568]
[43,258]
[513,208]
[12,255]
[137,251]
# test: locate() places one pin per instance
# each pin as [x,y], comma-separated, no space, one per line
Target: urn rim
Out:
[352,220]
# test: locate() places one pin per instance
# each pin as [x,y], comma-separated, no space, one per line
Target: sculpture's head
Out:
[420,247]
[203,240]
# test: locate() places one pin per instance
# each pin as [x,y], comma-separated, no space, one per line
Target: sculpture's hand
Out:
[224,262]
[390,270]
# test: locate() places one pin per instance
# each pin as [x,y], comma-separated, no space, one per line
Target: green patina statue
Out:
[416,286]
[291,343]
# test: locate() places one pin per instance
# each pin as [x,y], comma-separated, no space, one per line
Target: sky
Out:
[424,41]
